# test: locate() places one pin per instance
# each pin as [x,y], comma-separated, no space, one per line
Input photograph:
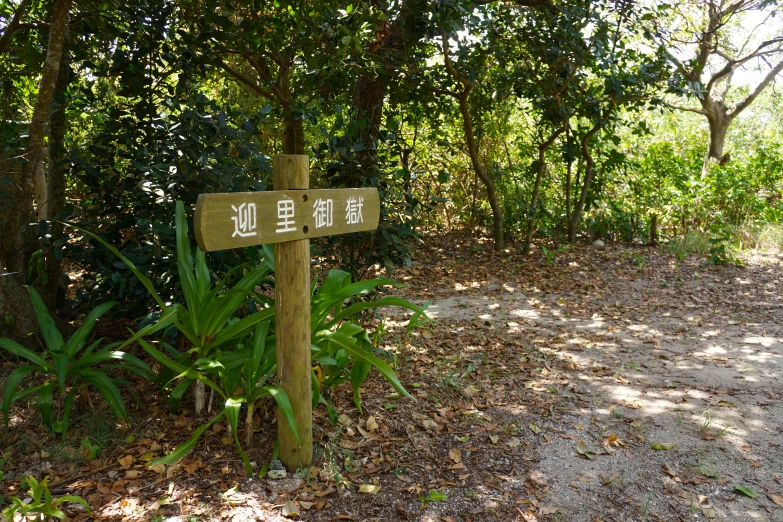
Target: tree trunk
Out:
[719,126]
[200,393]
[293,135]
[531,220]
[32,170]
[249,424]
[576,216]
[15,304]
[17,318]
[568,201]
[56,186]
[653,229]
[470,141]
[540,169]
[368,97]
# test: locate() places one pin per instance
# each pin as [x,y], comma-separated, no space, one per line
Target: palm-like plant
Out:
[67,367]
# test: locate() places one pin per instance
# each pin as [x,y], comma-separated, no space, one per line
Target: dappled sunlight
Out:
[763,341]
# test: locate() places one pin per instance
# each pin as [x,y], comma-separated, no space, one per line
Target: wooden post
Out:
[292,305]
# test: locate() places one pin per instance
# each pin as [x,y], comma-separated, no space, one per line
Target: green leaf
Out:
[281,398]
[73,498]
[50,333]
[660,446]
[187,278]
[746,491]
[77,340]
[359,373]
[141,277]
[45,404]
[12,382]
[434,496]
[108,389]
[241,327]
[184,448]
[26,353]
[353,349]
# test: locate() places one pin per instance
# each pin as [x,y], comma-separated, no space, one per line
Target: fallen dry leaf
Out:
[290,509]
[369,488]
[126,461]
[455,454]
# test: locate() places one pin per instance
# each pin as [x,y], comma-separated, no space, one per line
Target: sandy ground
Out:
[612,384]
[685,355]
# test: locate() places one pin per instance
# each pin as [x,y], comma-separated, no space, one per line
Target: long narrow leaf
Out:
[77,340]
[386,301]
[241,327]
[141,277]
[45,404]
[232,407]
[12,383]
[108,389]
[51,335]
[352,348]
[26,353]
[187,278]
[184,448]
[183,370]
[281,398]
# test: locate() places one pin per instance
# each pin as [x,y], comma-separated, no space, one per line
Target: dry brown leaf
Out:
[369,489]
[158,468]
[371,424]
[549,510]
[777,499]
[126,461]
[428,424]
[290,509]
[455,454]
[132,474]
[669,471]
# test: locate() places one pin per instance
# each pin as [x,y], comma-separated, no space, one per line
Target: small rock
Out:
[276,474]
[290,484]
[599,244]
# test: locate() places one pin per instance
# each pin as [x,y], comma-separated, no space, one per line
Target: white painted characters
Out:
[245,220]
[353,210]
[285,213]
[323,212]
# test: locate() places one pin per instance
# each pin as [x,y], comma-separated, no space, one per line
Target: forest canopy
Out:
[558,121]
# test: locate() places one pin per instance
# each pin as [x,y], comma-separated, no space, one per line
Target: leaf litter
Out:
[541,393]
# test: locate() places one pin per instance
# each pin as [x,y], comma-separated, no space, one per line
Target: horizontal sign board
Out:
[240,219]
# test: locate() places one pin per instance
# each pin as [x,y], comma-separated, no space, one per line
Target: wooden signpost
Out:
[288,216]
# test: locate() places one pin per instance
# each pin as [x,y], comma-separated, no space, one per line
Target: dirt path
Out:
[638,351]
[541,393]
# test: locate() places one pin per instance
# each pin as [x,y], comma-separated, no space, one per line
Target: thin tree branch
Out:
[13,26]
[687,109]
[269,95]
[760,87]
